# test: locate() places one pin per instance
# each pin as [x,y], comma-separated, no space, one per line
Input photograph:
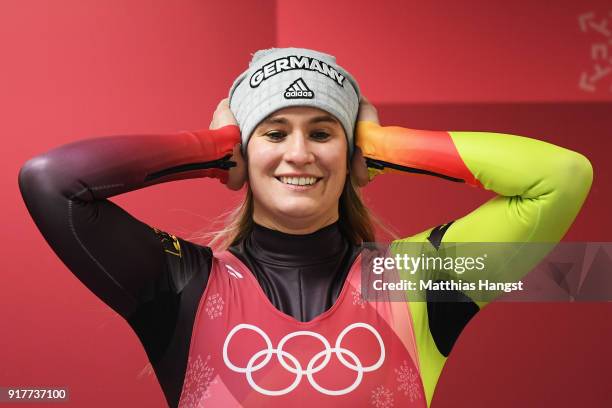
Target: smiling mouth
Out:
[299,181]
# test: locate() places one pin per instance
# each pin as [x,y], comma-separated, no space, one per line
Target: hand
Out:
[367,111]
[359,168]
[223,116]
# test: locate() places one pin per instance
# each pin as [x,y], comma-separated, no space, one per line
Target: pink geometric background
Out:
[82,68]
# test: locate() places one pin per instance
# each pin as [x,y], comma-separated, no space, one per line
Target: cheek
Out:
[334,158]
[336,166]
[261,162]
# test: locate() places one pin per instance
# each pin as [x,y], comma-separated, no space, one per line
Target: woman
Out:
[277,317]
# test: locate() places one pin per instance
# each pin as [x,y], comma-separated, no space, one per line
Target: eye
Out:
[320,135]
[275,135]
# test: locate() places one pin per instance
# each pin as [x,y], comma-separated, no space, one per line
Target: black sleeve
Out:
[137,270]
[119,258]
[116,256]
[450,311]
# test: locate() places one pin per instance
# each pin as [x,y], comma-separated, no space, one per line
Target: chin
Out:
[298,208]
[297,211]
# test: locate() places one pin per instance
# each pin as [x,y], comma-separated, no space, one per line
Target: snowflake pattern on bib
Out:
[198,379]
[408,381]
[382,397]
[214,306]
[358,300]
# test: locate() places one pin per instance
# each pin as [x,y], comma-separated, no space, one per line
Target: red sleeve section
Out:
[102,167]
[394,148]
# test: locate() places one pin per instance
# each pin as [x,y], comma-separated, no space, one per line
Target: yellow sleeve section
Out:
[541,188]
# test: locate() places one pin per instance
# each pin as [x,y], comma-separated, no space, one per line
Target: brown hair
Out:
[357,223]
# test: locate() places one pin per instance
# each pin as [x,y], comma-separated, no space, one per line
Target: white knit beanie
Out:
[281,77]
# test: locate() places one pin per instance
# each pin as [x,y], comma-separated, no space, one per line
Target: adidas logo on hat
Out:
[298,89]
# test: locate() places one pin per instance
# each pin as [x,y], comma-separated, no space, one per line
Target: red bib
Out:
[246,353]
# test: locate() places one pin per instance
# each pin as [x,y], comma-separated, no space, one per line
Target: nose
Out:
[298,150]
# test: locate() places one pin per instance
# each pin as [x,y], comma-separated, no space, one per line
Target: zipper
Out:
[381,165]
[223,163]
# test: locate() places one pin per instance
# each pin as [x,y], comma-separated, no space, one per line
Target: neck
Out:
[276,247]
[294,225]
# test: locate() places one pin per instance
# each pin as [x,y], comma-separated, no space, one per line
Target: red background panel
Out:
[457,51]
[78,69]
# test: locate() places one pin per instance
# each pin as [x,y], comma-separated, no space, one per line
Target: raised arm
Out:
[540,186]
[120,259]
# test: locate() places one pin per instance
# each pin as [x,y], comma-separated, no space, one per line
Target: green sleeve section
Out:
[540,186]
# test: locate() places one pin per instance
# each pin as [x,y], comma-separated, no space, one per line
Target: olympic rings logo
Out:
[295,367]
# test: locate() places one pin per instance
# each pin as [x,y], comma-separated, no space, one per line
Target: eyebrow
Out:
[316,119]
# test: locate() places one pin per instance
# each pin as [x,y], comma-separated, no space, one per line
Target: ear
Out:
[238,174]
[359,168]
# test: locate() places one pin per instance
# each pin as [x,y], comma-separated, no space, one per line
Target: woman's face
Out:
[297,164]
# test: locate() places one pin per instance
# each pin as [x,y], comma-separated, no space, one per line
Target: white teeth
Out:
[298,181]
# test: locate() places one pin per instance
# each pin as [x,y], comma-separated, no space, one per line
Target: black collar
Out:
[276,247]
